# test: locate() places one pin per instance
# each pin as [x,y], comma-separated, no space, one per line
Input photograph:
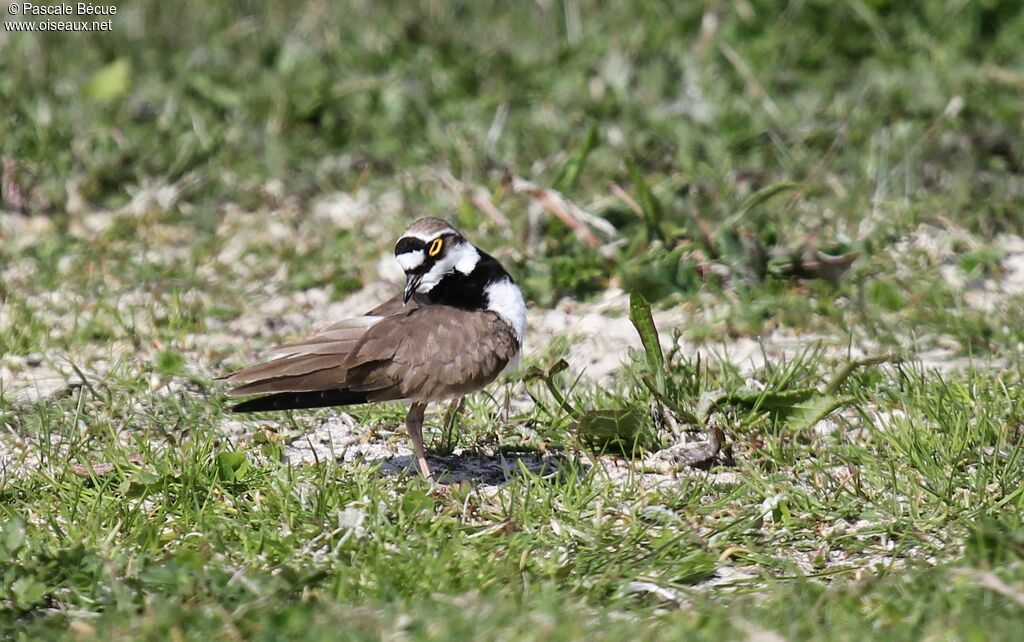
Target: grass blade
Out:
[569,174]
[643,321]
[649,203]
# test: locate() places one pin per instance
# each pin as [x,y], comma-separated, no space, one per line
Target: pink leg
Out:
[414,424]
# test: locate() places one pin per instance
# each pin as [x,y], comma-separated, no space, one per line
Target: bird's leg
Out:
[414,424]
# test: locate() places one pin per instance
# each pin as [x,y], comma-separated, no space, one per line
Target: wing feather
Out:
[316,360]
[325,379]
[433,352]
[394,352]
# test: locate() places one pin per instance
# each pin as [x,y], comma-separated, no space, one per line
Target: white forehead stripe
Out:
[426,238]
[410,260]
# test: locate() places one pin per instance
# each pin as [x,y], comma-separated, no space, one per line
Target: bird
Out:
[458,324]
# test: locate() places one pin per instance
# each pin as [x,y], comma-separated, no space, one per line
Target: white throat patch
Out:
[462,257]
[468,257]
[505,298]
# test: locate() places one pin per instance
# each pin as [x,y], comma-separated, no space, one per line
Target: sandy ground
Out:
[598,337]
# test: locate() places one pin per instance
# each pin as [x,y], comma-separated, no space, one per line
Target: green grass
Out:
[197,184]
[182,534]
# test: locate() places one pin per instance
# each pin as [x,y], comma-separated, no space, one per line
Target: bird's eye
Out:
[435,247]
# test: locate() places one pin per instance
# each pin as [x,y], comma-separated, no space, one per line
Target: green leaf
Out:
[800,408]
[807,413]
[623,429]
[643,321]
[12,537]
[232,465]
[569,174]
[110,82]
[770,400]
[28,592]
[844,373]
[415,501]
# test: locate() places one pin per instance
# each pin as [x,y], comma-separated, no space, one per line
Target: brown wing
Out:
[346,330]
[430,353]
[314,363]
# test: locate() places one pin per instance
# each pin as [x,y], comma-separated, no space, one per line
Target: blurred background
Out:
[747,150]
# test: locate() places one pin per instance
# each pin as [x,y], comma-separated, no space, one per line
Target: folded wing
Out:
[393,352]
[436,352]
[314,363]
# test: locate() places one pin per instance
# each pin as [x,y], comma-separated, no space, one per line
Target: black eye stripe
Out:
[409,244]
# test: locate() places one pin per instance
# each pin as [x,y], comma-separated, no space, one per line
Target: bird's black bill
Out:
[412,281]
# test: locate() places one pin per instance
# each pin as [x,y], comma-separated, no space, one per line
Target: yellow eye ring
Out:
[435,247]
